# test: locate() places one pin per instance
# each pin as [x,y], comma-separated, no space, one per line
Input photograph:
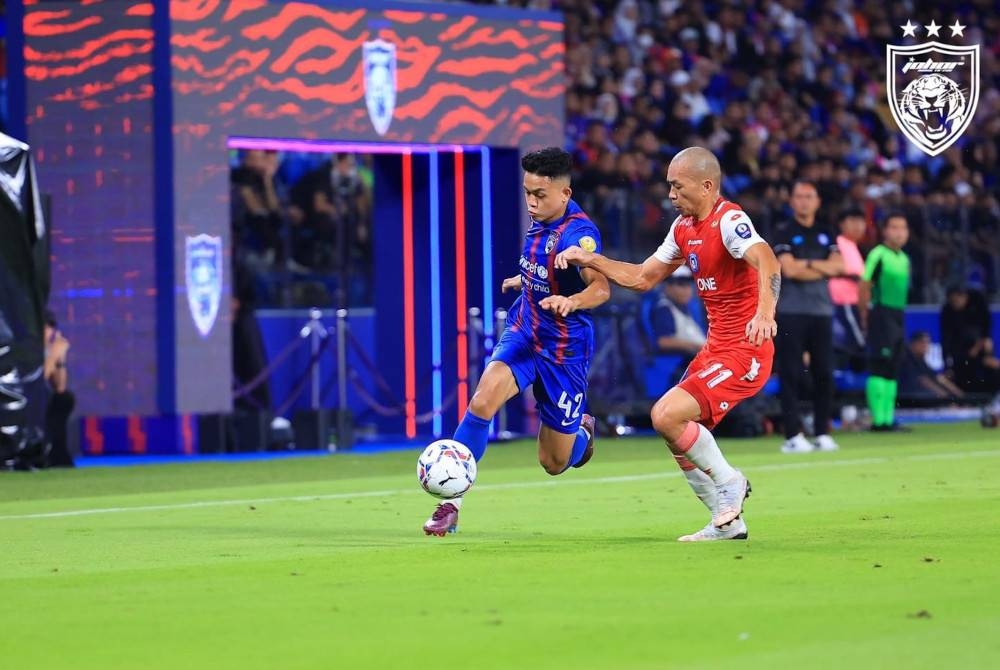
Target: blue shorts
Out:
[560,389]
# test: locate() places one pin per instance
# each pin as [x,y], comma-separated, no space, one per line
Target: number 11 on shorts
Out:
[724,374]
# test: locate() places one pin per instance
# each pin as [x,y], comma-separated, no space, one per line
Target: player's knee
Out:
[480,404]
[553,464]
[667,420]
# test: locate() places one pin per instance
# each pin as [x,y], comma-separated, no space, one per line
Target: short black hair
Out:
[50,319]
[919,335]
[850,213]
[893,215]
[550,162]
[805,182]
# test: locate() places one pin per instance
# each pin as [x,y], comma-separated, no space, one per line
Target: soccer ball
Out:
[446,469]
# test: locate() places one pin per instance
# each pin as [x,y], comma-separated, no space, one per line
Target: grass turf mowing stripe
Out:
[488,487]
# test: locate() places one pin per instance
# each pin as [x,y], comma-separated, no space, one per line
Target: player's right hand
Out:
[573,256]
[511,284]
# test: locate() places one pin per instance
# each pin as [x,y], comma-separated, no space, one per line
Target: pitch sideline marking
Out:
[487,487]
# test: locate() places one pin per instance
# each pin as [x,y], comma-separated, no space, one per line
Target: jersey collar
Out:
[713,212]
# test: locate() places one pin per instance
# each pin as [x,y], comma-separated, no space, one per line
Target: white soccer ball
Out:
[446,469]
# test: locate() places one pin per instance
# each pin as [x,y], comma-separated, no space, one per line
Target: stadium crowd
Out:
[300,228]
[780,90]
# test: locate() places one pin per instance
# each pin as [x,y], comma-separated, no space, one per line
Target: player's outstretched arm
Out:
[762,326]
[632,276]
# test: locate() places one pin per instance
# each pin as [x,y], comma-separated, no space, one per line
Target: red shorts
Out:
[719,379]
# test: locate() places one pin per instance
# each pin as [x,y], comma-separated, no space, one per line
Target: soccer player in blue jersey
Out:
[549,336]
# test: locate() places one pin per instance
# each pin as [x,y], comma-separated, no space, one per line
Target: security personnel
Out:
[809,257]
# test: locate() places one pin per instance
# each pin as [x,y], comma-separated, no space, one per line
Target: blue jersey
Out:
[567,339]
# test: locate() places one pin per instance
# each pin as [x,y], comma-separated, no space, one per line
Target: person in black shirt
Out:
[917,379]
[967,342]
[809,257]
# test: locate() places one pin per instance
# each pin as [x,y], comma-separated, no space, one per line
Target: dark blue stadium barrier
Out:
[179,435]
[279,328]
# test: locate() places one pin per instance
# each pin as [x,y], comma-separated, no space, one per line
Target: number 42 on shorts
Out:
[571,407]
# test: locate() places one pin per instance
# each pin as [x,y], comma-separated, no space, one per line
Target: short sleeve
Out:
[738,233]
[871,263]
[781,241]
[586,236]
[833,247]
[668,251]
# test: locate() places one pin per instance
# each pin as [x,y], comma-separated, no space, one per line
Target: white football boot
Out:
[826,443]
[737,530]
[729,500]
[798,445]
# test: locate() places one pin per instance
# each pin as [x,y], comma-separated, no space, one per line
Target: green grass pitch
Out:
[883,555]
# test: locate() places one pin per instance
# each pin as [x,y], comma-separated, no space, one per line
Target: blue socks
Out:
[579,446]
[474,433]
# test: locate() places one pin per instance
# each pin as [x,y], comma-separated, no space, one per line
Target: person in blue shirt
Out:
[548,340]
[674,327]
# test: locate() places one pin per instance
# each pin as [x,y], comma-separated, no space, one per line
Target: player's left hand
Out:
[573,255]
[511,284]
[559,304]
[761,329]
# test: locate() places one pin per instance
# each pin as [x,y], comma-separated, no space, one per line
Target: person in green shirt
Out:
[884,288]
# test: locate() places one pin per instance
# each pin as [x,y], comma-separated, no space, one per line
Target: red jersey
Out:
[713,249]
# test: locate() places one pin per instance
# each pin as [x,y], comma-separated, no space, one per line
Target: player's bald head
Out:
[700,163]
[694,176]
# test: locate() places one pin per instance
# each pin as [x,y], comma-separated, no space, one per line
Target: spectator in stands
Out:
[967,342]
[258,222]
[61,399]
[336,206]
[918,380]
[674,328]
[848,339]
[801,81]
[809,257]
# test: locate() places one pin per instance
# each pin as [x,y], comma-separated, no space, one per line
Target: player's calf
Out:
[557,451]
[553,464]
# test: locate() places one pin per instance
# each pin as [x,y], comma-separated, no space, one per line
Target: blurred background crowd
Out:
[780,90]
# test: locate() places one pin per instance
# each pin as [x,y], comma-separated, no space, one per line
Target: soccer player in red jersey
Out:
[738,279]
